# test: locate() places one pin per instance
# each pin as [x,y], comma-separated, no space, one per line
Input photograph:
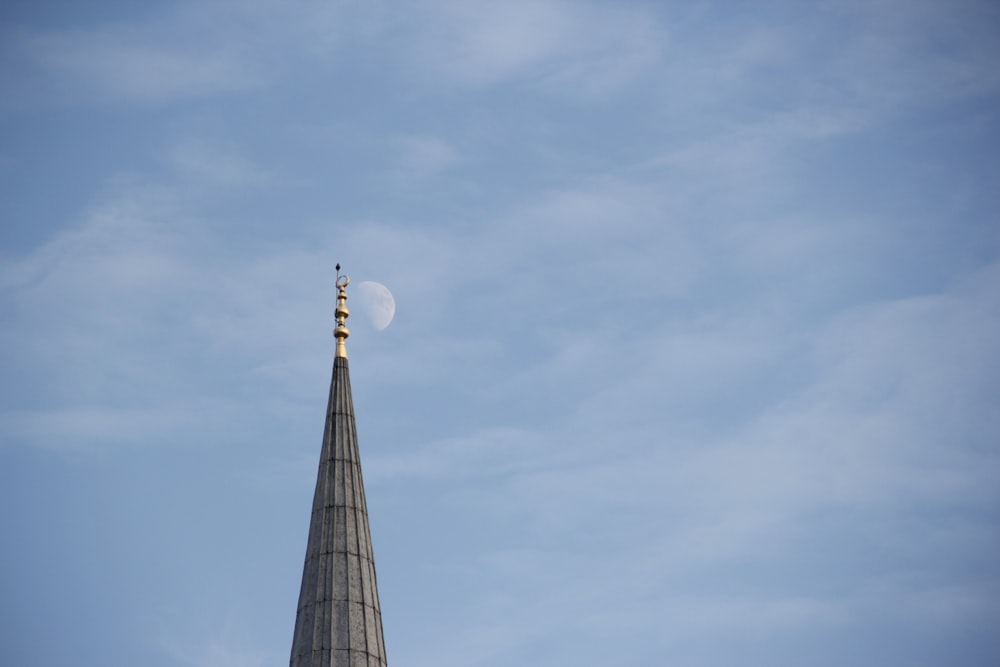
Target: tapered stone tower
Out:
[339,620]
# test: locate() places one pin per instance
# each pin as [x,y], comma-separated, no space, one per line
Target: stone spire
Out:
[339,621]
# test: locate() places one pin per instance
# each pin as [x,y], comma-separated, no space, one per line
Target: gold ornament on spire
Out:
[341,332]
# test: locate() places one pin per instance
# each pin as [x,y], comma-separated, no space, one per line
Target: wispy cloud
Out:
[421,157]
[226,647]
[211,167]
[586,48]
[123,64]
[110,305]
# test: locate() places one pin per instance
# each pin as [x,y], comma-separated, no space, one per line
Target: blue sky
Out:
[695,355]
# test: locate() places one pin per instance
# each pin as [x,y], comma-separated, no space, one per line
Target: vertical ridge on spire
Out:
[339,620]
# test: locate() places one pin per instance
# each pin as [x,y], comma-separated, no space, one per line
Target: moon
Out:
[377,303]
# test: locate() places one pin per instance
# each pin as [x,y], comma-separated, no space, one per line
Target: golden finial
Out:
[341,332]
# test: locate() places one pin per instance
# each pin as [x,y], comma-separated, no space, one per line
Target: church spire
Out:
[339,620]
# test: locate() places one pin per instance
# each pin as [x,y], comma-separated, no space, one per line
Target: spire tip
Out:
[342,313]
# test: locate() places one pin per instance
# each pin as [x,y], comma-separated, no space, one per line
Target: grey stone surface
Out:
[339,621]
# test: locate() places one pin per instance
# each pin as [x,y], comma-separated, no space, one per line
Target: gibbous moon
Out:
[376,303]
